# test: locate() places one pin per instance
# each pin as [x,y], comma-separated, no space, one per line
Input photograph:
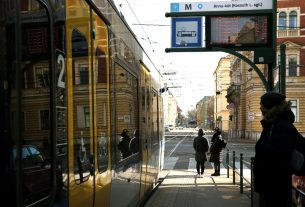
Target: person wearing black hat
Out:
[215,150]
[124,144]
[272,173]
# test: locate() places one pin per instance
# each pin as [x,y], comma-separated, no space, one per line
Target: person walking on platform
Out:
[201,147]
[215,151]
[272,172]
[124,144]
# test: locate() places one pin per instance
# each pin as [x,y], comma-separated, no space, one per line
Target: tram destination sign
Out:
[215,6]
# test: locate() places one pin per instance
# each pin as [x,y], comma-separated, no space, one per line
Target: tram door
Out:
[145,129]
[80,102]
[101,110]
[27,104]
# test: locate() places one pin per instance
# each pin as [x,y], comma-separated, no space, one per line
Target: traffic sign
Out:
[187,32]
[251,116]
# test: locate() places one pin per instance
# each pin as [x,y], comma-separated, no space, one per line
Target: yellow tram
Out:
[81,120]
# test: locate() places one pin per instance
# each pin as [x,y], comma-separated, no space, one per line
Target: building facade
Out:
[222,82]
[246,87]
[205,113]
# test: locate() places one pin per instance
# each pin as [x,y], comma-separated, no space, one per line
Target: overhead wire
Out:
[140,25]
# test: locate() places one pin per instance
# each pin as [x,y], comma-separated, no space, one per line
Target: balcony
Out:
[288,33]
[233,93]
[233,88]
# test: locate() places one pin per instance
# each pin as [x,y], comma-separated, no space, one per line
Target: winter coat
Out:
[200,154]
[272,173]
[124,146]
[215,150]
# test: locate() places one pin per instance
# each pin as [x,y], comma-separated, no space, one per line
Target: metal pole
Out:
[228,163]
[234,167]
[283,69]
[252,189]
[241,174]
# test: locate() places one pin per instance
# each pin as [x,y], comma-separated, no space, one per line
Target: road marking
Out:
[172,151]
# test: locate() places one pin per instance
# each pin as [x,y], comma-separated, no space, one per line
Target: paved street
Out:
[181,187]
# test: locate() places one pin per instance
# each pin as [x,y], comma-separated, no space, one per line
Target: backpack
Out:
[219,144]
[222,144]
[297,161]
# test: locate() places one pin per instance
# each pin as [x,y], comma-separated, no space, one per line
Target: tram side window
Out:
[126,96]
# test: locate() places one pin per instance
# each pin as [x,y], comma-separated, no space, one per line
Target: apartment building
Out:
[222,82]
[246,87]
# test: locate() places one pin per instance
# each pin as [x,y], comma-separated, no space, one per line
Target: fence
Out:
[245,176]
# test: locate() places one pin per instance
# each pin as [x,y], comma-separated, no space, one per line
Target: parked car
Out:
[171,127]
[166,128]
[36,173]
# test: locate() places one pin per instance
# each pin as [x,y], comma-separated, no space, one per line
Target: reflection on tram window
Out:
[35,104]
[134,142]
[36,173]
[44,119]
[154,121]
[101,93]
[81,96]
[126,113]
[42,79]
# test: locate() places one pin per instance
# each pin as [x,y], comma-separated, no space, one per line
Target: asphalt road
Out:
[179,152]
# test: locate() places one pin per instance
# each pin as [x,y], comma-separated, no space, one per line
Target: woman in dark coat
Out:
[201,146]
[215,151]
[272,174]
[124,144]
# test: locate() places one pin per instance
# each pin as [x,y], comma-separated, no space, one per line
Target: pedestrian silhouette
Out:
[201,147]
[215,150]
[272,172]
[124,144]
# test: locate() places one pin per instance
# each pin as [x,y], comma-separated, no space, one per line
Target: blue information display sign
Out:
[187,32]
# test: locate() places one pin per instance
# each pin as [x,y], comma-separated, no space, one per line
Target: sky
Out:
[194,71]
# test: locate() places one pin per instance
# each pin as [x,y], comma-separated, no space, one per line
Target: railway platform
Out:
[180,188]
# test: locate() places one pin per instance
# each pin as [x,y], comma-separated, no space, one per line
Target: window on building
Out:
[87,116]
[294,109]
[282,20]
[292,63]
[83,74]
[293,20]
[42,76]
[83,116]
[44,119]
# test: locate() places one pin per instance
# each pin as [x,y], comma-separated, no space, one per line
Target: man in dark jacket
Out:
[272,174]
[201,146]
[124,144]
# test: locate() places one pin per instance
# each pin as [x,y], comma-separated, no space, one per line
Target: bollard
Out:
[241,174]
[252,189]
[228,163]
[234,167]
